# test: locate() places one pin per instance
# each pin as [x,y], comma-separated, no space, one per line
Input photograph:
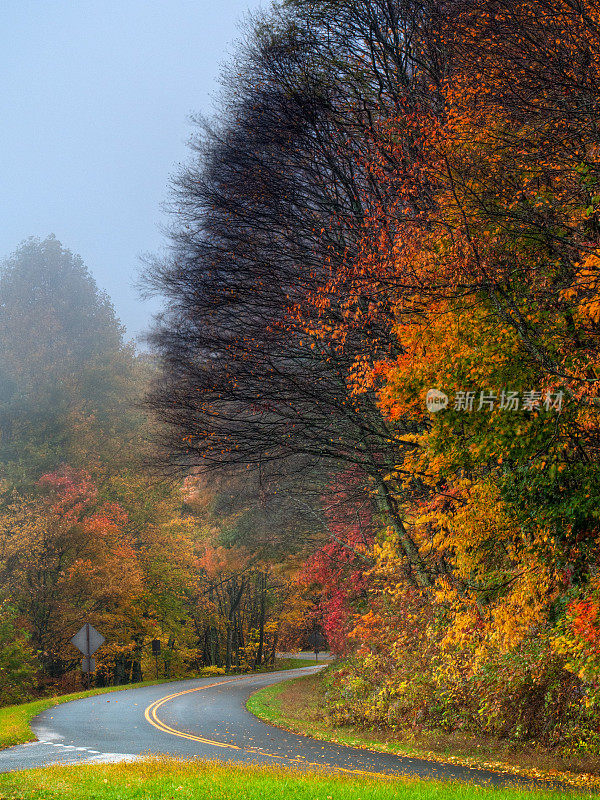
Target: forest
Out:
[370,403]
[89,530]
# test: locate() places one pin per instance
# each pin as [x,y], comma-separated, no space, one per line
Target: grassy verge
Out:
[160,778]
[298,704]
[289,663]
[14,720]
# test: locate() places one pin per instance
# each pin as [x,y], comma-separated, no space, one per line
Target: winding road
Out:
[206,719]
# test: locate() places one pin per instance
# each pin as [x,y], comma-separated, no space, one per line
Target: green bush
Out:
[17,670]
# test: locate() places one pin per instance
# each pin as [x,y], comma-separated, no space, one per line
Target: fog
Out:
[95,105]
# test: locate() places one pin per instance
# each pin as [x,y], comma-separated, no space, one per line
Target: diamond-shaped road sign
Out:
[88,640]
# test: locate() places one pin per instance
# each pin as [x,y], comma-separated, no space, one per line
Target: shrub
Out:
[210,671]
[17,668]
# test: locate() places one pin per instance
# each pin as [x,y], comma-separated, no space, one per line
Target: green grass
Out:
[297,705]
[291,663]
[267,705]
[14,720]
[158,779]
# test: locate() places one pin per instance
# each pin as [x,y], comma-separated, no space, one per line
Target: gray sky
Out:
[95,101]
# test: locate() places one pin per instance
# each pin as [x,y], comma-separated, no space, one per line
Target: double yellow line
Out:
[152,717]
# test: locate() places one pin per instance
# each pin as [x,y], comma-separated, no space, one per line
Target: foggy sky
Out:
[95,100]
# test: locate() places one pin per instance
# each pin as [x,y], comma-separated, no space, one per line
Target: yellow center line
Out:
[152,717]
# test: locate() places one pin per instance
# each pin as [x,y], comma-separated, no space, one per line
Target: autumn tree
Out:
[273,204]
[64,558]
[403,196]
[17,662]
[68,379]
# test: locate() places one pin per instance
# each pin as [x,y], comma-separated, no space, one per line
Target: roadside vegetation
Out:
[177,577]
[300,705]
[162,779]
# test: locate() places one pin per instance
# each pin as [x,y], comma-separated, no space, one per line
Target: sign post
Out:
[88,640]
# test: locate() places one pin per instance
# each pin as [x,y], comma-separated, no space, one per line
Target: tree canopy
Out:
[399,199]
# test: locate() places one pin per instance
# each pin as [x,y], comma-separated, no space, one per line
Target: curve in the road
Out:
[382,763]
[207,719]
[152,717]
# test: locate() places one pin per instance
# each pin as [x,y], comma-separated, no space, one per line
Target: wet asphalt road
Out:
[206,719]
